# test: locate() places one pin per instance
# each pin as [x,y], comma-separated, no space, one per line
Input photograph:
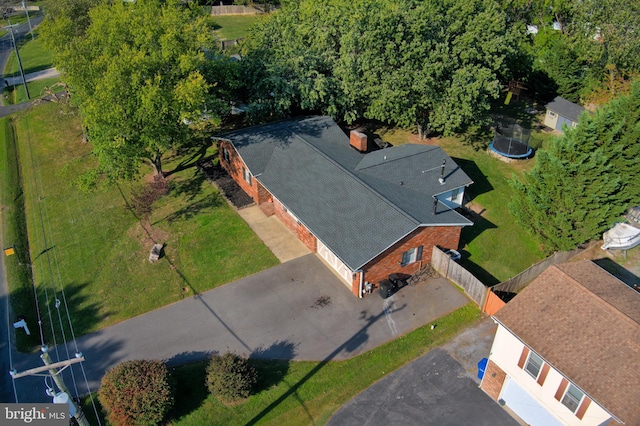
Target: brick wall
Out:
[234,167]
[307,238]
[493,380]
[389,262]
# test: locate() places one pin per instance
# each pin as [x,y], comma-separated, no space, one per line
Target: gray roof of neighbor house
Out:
[565,108]
[586,324]
[357,204]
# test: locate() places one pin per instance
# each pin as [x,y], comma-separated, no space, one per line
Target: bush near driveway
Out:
[230,377]
[136,393]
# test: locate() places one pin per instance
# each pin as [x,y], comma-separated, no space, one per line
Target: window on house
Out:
[533,365]
[247,175]
[411,256]
[552,114]
[572,398]
[225,154]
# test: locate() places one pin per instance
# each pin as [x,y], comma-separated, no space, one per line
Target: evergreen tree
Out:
[586,179]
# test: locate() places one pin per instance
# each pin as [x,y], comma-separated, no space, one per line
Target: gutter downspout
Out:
[361,283]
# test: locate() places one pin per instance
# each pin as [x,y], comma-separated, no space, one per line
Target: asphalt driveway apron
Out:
[440,388]
[297,310]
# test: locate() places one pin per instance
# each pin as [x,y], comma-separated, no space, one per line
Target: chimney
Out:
[358,140]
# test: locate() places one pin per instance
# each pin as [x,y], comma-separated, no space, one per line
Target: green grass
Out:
[297,393]
[496,247]
[17,94]
[101,249]
[14,234]
[33,55]
[229,27]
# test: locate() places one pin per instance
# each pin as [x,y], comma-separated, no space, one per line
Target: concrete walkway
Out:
[38,75]
[282,243]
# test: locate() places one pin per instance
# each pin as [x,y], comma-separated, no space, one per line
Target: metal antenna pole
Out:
[24,6]
[15,47]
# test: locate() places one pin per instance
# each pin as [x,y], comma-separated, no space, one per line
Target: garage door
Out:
[525,406]
[335,263]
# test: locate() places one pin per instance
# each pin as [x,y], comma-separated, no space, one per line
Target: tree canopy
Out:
[137,72]
[586,179]
[435,65]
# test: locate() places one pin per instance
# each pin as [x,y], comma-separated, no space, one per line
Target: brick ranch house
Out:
[566,349]
[367,214]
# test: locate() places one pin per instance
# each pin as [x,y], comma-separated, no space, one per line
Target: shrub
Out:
[136,393]
[229,377]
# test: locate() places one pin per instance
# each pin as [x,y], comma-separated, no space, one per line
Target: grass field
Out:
[97,249]
[17,94]
[14,231]
[298,393]
[33,55]
[229,27]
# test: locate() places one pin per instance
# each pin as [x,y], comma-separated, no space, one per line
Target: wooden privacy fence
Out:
[520,281]
[452,271]
[234,10]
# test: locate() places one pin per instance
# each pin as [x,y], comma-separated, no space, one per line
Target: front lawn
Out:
[33,55]
[98,250]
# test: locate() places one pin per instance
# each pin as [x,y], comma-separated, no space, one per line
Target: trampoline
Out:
[511,141]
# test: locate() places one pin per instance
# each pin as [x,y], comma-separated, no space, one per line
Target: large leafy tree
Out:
[586,179]
[137,74]
[435,65]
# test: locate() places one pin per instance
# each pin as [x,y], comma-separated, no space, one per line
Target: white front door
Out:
[333,261]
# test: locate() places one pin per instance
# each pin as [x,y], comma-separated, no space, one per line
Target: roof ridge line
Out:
[360,181]
[595,296]
[431,148]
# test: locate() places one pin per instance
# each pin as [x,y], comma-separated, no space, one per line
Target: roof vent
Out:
[358,140]
[441,178]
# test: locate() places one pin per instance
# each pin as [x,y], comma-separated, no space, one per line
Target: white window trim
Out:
[526,364]
[414,255]
[246,174]
[567,394]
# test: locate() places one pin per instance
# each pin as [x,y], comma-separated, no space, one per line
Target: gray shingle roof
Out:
[586,324]
[565,108]
[357,204]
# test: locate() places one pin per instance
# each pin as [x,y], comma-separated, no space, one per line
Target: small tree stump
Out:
[155,252]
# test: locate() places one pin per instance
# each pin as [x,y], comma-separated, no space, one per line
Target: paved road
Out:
[296,310]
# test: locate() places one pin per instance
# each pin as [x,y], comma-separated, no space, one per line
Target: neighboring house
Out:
[561,112]
[366,214]
[566,349]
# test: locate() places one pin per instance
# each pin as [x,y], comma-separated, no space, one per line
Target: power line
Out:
[50,366]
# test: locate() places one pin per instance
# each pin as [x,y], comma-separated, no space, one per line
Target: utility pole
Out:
[15,47]
[24,6]
[52,368]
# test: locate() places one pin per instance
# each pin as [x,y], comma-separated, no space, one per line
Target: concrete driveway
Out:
[296,310]
[440,388]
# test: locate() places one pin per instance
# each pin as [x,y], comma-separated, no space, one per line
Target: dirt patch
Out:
[148,235]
